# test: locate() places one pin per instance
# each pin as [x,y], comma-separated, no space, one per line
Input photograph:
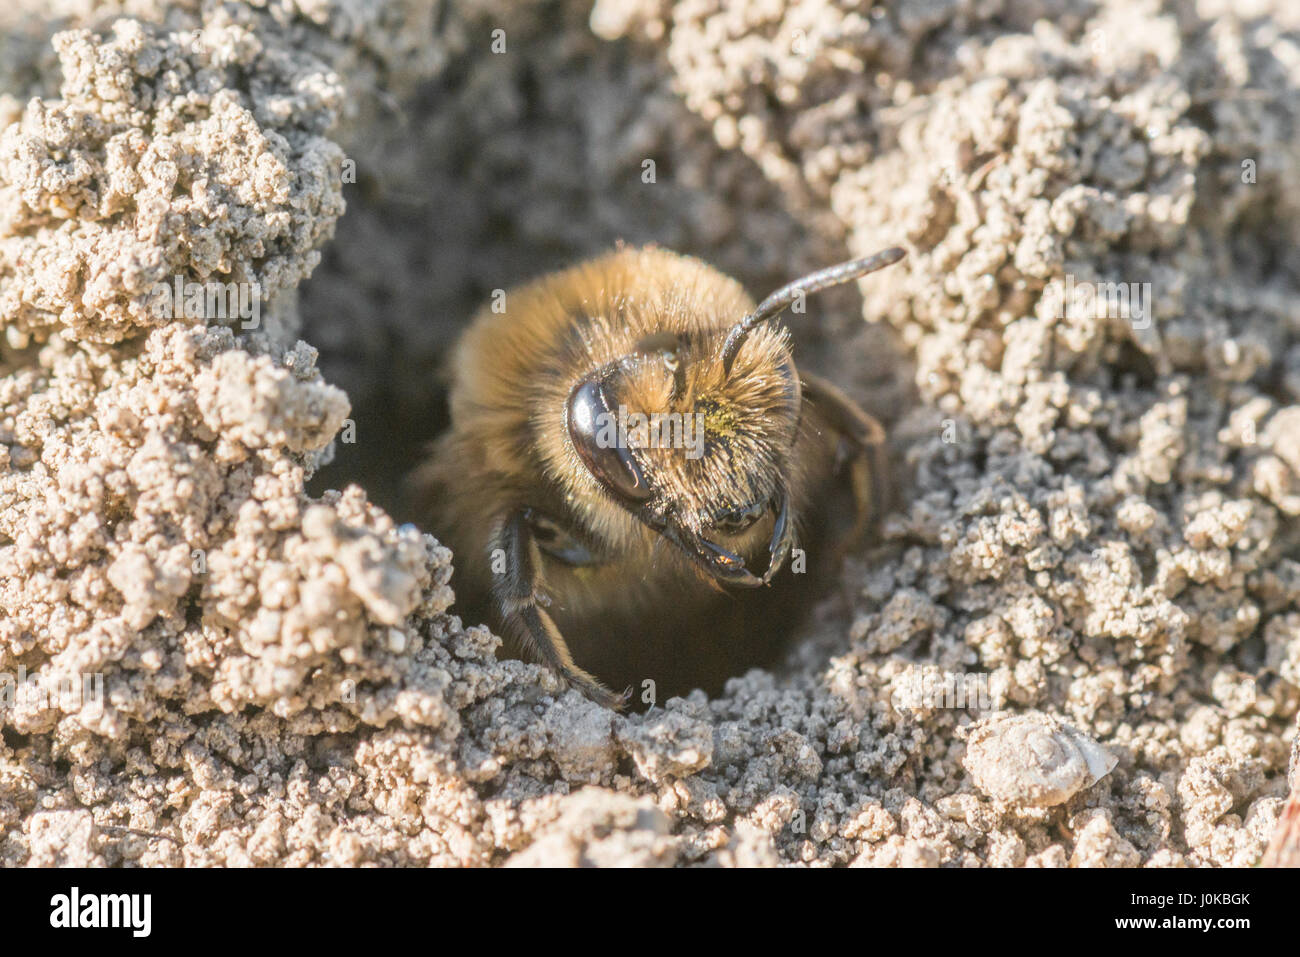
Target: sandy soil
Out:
[1097,513]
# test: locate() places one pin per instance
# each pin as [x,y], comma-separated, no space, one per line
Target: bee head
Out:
[693,432]
[697,455]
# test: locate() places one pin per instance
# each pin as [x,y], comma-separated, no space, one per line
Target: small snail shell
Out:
[1033,759]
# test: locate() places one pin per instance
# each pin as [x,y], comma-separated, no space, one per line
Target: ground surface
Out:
[1098,514]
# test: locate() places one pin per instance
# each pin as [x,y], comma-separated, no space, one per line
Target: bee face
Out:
[698,456]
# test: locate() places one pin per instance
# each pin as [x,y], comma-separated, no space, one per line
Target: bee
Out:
[632,455]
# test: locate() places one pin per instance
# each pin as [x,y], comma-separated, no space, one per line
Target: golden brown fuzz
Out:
[632,552]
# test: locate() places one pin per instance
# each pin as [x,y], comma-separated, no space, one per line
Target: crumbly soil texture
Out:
[1097,528]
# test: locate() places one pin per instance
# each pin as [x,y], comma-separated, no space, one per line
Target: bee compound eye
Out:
[601,445]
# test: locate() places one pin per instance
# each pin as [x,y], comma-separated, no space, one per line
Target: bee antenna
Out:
[775,304]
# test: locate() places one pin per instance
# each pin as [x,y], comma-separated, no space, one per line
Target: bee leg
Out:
[865,438]
[519,600]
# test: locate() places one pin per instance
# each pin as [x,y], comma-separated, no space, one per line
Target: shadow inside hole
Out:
[504,169]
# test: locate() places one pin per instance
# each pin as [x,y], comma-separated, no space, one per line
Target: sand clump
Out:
[1098,515]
